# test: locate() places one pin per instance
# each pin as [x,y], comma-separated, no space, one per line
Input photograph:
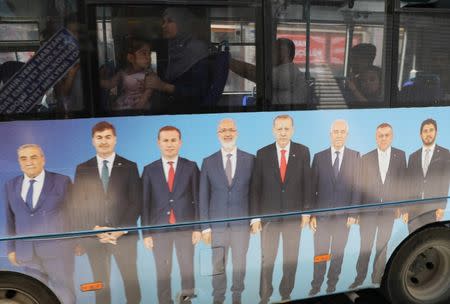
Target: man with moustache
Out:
[36,204]
[428,173]
[335,173]
[171,196]
[280,184]
[224,193]
[382,181]
[107,194]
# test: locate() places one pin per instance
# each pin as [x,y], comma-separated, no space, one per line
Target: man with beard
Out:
[224,193]
[428,172]
[280,184]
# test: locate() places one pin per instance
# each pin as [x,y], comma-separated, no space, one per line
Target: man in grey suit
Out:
[335,173]
[224,193]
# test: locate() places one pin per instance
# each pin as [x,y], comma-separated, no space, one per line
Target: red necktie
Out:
[283,165]
[171,176]
[170,179]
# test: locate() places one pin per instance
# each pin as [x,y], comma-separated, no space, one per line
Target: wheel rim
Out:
[15,296]
[427,275]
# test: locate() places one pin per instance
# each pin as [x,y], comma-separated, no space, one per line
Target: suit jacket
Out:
[436,182]
[373,189]
[218,200]
[268,194]
[158,200]
[331,192]
[48,216]
[120,206]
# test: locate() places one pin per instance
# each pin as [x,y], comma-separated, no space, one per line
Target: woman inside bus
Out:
[185,83]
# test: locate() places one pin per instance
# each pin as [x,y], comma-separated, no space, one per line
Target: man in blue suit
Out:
[224,193]
[107,194]
[335,174]
[170,197]
[36,204]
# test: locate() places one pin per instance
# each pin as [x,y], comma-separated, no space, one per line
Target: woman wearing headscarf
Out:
[185,83]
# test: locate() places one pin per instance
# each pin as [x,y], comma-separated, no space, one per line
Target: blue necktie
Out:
[336,165]
[105,175]
[29,198]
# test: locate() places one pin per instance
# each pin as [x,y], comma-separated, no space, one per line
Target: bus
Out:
[243,151]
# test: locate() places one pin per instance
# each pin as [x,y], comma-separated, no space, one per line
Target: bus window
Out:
[186,63]
[424,77]
[26,28]
[338,52]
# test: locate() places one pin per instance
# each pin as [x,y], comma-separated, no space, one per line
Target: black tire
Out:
[22,289]
[419,273]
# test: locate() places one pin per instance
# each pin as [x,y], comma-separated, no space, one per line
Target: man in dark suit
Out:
[36,204]
[107,194]
[429,174]
[224,193]
[335,173]
[170,197]
[280,184]
[382,180]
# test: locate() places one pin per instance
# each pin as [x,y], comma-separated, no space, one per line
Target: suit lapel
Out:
[291,161]
[178,174]
[274,162]
[46,188]
[219,167]
[18,191]
[116,170]
[239,164]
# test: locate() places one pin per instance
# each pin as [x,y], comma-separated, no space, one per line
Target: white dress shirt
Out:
[233,160]
[287,148]
[37,187]
[433,146]
[341,156]
[110,163]
[166,166]
[384,158]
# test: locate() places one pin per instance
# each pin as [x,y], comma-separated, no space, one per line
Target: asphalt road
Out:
[368,296]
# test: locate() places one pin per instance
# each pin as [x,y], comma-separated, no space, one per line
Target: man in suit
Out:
[428,173]
[224,193]
[382,181]
[170,197]
[280,184]
[107,194]
[335,173]
[36,204]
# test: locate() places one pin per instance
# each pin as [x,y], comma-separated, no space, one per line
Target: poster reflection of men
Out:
[382,181]
[171,196]
[335,173]
[429,174]
[107,194]
[280,184]
[225,193]
[36,204]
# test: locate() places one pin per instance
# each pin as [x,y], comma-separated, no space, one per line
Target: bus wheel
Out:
[16,288]
[419,271]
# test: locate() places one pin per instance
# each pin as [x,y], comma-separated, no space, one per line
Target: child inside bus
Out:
[128,83]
